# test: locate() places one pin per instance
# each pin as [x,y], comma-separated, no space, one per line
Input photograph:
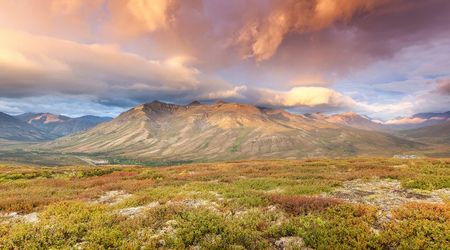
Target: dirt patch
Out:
[196,204]
[288,243]
[112,197]
[16,217]
[384,194]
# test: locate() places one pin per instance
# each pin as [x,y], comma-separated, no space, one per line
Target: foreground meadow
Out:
[354,203]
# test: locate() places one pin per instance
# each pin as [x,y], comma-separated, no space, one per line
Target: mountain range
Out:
[197,131]
[222,130]
[44,126]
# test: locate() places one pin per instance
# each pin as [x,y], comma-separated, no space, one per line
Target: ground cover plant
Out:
[351,203]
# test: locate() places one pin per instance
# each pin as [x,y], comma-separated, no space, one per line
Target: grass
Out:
[232,205]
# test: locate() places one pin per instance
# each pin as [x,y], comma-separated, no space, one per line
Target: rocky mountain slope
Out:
[224,131]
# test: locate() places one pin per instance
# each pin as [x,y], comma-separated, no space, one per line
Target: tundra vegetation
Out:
[351,203]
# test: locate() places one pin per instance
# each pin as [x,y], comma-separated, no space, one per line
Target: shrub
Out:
[418,226]
[298,204]
[341,227]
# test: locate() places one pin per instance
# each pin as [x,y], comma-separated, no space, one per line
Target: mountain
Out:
[224,131]
[436,134]
[12,128]
[357,121]
[58,125]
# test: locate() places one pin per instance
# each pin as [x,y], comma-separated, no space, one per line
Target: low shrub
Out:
[418,226]
[298,204]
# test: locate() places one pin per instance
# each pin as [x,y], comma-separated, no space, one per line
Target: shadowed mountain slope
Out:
[15,129]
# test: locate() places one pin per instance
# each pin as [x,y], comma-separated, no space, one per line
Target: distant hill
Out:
[437,134]
[12,128]
[225,131]
[58,125]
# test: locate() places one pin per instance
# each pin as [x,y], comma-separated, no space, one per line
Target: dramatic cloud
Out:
[262,37]
[304,97]
[368,56]
[35,65]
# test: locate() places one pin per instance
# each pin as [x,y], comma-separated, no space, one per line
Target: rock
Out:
[291,242]
[384,194]
[133,211]
[31,218]
[112,197]
[14,216]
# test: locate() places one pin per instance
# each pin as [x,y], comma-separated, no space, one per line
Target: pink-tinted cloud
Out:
[289,53]
[443,86]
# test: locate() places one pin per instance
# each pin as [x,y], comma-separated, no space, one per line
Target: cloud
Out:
[263,36]
[69,105]
[293,53]
[406,120]
[443,86]
[40,66]
[304,97]
[36,65]
[133,17]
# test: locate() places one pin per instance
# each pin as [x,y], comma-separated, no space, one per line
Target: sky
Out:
[381,58]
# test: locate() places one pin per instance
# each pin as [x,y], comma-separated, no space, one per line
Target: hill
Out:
[224,131]
[58,125]
[15,129]
[436,134]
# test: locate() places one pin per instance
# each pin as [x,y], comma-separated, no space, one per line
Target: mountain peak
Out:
[157,106]
[195,103]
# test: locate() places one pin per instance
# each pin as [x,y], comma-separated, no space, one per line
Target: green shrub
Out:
[418,226]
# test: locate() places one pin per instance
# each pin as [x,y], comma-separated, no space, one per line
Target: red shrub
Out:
[300,204]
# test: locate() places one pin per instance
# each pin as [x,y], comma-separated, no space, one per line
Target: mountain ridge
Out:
[224,131]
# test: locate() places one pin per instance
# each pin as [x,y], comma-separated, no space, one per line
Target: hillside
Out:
[15,129]
[224,131]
